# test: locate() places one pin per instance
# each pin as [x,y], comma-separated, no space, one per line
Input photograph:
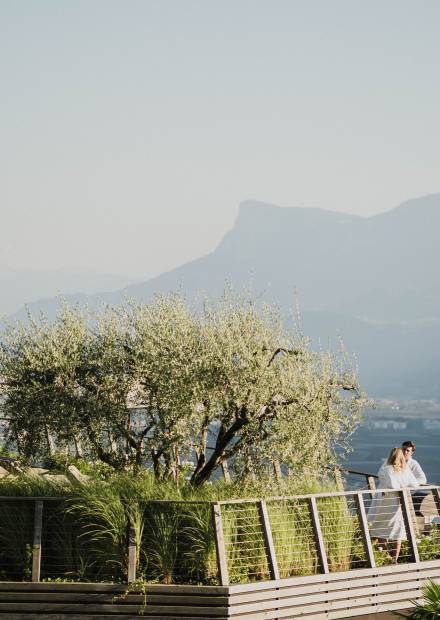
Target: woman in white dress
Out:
[385,514]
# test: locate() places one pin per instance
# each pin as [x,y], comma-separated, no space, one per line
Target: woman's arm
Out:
[410,479]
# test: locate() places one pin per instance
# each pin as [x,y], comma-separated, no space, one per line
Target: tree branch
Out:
[282,350]
[223,440]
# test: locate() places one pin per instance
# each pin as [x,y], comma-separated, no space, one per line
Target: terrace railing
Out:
[354,479]
[323,533]
[225,542]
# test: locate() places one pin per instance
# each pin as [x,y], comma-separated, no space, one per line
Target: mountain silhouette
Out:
[381,268]
[371,281]
[25,286]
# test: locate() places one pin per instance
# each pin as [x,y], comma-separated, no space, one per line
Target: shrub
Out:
[429,607]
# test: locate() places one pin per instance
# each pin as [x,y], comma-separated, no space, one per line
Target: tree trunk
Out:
[78,447]
[51,448]
[224,439]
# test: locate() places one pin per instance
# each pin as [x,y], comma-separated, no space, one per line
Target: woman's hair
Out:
[397,459]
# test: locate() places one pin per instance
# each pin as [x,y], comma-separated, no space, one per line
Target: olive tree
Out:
[38,367]
[164,385]
[267,397]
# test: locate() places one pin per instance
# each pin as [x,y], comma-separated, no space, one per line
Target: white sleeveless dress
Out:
[385,514]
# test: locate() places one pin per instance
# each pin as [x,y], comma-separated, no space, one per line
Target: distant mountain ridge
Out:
[372,280]
[382,268]
[19,286]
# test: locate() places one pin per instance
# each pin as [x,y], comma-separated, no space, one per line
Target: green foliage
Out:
[138,587]
[339,529]
[59,461]
[382,557]
[33,486]
[429,607]
[197,544]
[85,535]
[161,542]
[4,451]
[244,541]
[429,546]
[151,383]
[293,538]
[103,520]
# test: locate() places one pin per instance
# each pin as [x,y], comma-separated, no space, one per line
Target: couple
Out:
[385,514]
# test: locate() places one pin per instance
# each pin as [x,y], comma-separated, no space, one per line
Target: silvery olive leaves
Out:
[177,390]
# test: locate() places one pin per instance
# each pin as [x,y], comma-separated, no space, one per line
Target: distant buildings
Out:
[388,424]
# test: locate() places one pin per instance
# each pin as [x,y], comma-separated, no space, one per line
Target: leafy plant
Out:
[85,536]
[104,524]
[139,587]
[293,537]
[160,544]
[339,528]
[244,540]
[429,546]
[381,556]
[33,486]
[197,544]
[429,607]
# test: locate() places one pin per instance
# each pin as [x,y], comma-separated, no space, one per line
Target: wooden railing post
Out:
[436,497]
[268,540]
[406,512]
[131,553]
[36,548]
[338,479]
[365,532]
[222,563]
[319,539]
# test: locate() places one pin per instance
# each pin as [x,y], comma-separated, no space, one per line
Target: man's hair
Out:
[409,444]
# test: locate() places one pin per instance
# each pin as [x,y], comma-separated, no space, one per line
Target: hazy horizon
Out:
[6,268]
[131,132]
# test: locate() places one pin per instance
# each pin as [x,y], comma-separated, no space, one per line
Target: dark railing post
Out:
[36,548]
[319,539]
[365,532]
[222,563]
[406,512]
[131,553]
[268,540]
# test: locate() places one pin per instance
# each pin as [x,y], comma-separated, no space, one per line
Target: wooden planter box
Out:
[362,591]
[318,597]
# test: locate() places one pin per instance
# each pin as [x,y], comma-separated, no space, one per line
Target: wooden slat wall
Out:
[317,597]
[332,596]
[65,601]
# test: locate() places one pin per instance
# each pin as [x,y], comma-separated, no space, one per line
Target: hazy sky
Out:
[131,130]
